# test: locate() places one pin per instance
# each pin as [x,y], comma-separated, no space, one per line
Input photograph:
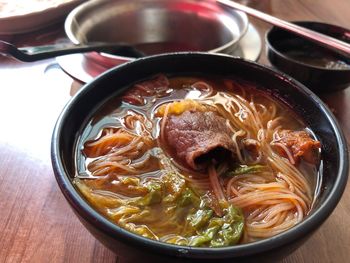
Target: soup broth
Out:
[198,161]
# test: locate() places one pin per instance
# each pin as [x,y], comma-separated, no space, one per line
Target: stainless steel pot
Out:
[156,26]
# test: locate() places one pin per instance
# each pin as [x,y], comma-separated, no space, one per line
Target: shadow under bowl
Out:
[319,69]
[82,107]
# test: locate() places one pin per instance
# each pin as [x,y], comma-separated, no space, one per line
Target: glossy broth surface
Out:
[128,172]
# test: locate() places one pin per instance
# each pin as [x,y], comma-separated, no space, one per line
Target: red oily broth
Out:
[128,169]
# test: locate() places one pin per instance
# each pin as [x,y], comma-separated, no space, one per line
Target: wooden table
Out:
[36,223]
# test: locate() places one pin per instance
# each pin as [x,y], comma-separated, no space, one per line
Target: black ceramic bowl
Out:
[305,61]
[133,247]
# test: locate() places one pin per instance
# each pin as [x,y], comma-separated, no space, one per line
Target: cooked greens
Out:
[170,198]
[247,169]
[215,231]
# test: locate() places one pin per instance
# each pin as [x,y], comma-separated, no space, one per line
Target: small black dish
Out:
[321,70]
[134,248]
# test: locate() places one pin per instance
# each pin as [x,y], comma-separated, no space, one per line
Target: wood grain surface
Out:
[36,223]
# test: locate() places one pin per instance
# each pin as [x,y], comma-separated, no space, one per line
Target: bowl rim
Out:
[275,29]
[308,225]
[71,19]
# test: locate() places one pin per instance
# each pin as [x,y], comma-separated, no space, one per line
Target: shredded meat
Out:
[197,137]
[154,87]
[300,144]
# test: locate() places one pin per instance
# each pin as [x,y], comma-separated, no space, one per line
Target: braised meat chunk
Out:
[198,137]
[299,144]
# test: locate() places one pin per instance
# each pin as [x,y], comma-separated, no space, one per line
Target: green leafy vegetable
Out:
[154,196]
[247,169]
[188,197]
[174,186]
[169,206]
[217,231]
[200,218]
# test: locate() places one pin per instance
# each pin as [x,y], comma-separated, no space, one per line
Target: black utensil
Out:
[30,54]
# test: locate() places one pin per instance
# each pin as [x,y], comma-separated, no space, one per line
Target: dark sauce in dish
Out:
[313,55]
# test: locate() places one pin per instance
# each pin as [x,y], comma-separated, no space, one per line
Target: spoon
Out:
[30,54]
[331,43]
